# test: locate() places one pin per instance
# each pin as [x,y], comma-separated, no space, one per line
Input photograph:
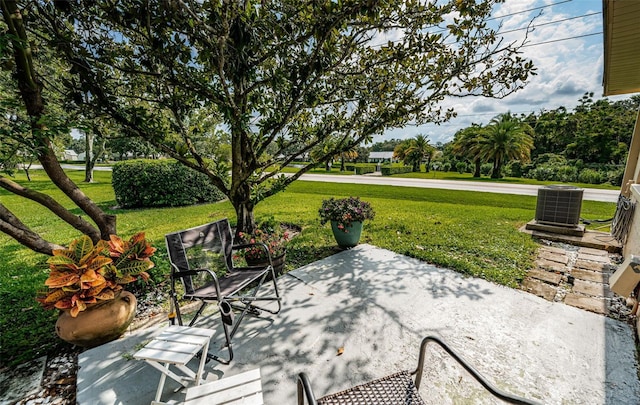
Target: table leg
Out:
[203,360]
[163,377]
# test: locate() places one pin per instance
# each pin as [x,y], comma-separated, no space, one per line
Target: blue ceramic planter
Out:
[347,239]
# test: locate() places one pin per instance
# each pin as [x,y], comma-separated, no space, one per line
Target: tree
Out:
[33,122]
[386,146]
[466,143]
[504,139]
[414,151]
[286,77]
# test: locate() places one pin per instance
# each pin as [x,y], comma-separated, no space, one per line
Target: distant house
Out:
[381,157]
[69,154]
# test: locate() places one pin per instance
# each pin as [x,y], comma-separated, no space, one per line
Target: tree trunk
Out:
[88,157]
[12,226]
[246,220]
[476,171]
[30,87]
[342,163]
[106,223]
[497,167]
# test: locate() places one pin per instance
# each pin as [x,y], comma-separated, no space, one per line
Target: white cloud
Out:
[565,69]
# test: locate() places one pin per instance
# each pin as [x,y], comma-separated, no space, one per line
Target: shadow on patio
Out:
[376,306]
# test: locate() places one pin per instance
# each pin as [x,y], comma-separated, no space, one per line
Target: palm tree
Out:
[414,151]
[466,146]
[505,139]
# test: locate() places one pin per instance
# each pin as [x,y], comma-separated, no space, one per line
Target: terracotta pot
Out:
[98,324]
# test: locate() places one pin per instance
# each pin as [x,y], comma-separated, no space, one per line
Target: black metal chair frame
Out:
[399,387]
[236,290]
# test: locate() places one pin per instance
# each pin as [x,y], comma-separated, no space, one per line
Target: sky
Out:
[566,69]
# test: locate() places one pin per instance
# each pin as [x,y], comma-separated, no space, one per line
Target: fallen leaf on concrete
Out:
[340,351]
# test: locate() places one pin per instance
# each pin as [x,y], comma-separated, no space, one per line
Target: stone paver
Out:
[592,251]
[554,257]
[590,265]
[597,305]
[588,275]
[552,249]
[595,258]
[591,288]
[539,288]
[551,266]
[547,276]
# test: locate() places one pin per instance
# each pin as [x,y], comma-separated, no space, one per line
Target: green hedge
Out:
[389,170]
[360,168]
[160,183]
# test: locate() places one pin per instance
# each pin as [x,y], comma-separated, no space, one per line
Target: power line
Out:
[526,11]
[548,23]
[562,39]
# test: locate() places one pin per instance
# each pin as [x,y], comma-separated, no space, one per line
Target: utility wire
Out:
[526,11]
[549,23]
[562,39]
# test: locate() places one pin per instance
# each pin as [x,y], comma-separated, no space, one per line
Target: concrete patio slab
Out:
[374,306]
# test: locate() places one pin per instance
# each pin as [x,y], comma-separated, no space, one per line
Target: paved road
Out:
[591,194]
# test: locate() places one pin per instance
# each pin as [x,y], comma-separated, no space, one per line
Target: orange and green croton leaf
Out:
[59,279]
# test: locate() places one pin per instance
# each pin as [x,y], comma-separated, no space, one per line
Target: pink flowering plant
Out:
[272,236]
[345,211]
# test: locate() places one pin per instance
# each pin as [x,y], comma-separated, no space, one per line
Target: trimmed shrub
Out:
[461,167]
[614,177]
[513,169]
[360,168]
[541,173]
[446,167]
[591,176]
[160,183]
[389,170]
[486,168]
[365,169]
[566,174]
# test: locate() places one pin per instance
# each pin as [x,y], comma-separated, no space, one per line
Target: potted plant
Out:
[346,216]
[86,284]
[274,238]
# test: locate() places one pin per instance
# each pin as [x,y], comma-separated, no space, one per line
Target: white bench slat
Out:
[165,357]
[185,335]
[243,388]
[176,347]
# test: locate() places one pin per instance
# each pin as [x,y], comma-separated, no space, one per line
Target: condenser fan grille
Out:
[559,205]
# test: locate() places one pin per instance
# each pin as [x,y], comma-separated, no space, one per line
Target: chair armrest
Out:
[512,399]
[193,272]
[305,391]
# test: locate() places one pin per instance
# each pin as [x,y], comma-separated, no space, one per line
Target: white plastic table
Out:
[177,345]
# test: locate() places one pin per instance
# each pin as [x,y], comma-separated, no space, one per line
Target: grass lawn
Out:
[473,233]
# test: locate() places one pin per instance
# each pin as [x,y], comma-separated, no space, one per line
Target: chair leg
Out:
[198,312]
[176,309]
[227,336]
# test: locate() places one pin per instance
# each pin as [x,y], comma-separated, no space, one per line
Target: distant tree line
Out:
[588,145]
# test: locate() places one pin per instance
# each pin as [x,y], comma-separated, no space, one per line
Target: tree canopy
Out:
[281,77]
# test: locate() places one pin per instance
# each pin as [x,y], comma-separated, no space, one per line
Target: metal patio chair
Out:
[398,388]
[202,261]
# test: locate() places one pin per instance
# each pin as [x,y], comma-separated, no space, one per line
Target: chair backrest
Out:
[206,246]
